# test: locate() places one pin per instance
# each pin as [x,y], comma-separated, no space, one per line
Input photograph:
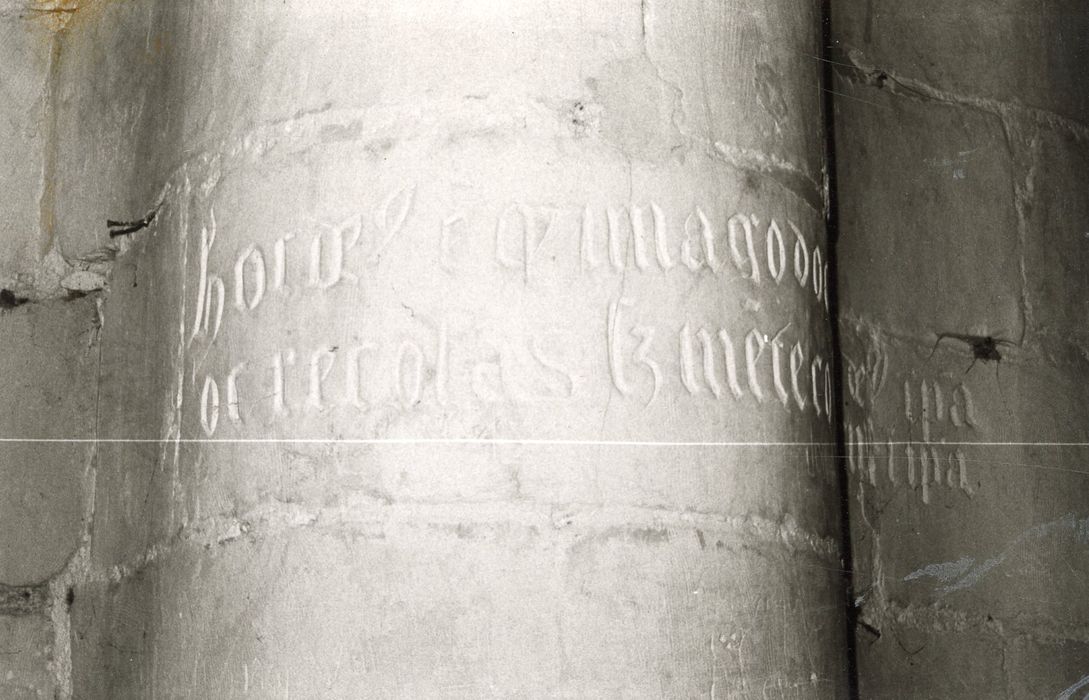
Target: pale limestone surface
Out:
[532,221]
[24,133]
[539,229]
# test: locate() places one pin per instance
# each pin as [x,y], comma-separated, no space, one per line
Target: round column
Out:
[961,152]
[500,354]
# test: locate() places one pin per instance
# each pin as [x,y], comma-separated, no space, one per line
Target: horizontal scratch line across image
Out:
[529,441]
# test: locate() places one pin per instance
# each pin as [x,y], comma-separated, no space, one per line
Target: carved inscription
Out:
[367,375]
[933,412]
[647,359]
[920,467]
[613,240]
[648,239]
[758,366]
[746,368]
[910,433]
[257,271]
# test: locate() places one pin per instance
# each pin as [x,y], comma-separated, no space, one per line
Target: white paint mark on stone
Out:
[1068,694]
[965,573]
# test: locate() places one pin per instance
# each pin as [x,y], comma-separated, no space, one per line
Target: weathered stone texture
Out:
[919,176]
[406,222]
[1029,53]
[26,645]
[962,257]
[48,363]
[26,54]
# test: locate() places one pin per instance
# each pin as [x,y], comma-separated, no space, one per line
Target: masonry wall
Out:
[48,370]
[428,374]
[962,148]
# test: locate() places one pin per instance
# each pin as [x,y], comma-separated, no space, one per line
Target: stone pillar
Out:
[476,349]
[962,164]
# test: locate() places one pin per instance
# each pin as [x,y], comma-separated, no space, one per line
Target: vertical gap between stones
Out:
[832,290]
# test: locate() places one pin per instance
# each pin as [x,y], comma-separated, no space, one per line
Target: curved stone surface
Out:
[449,317]
[962,256]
